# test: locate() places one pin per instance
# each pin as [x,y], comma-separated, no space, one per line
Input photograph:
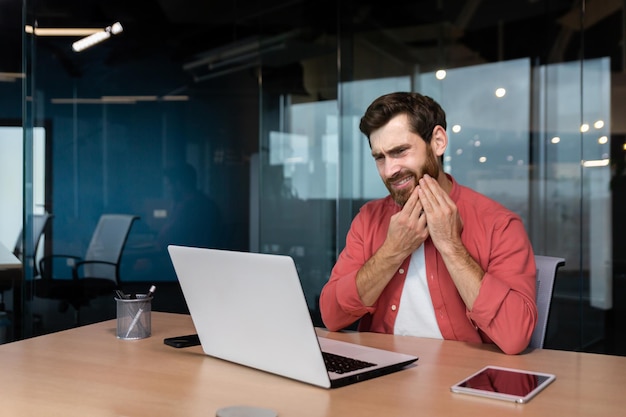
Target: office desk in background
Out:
[87,371]
[7,259]
[11,273]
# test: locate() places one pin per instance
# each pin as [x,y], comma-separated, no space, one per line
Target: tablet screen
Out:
[504,383]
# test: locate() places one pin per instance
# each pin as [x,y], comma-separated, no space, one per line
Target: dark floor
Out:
[601,331]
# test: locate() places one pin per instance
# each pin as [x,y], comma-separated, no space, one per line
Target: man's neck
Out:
[445,182]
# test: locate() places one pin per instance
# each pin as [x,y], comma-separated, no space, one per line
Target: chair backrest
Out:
[546,273]
[106,245]
[39,223]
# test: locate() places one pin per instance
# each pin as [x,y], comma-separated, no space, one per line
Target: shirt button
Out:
[393,307]
[401,270]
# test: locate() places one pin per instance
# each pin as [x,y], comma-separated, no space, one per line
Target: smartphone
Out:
[182,341]
[504,384]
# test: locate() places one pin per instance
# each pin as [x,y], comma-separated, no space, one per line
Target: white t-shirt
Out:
[416,315]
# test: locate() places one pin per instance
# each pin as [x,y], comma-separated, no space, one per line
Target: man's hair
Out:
[423,112]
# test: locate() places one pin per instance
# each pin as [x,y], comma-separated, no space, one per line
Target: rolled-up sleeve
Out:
[505,310]
[340,303]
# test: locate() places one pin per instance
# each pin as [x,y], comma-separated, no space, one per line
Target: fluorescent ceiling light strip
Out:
[76,101]
[10,76]
[243,47]
[226,71]
[175,98]
[118,99]
[596,163]
[101,100]
[245,57]
[60,31]
[91,40]
[108,99]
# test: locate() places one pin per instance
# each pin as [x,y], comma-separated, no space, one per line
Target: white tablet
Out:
[504,384]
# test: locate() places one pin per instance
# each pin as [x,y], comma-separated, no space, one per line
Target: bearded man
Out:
[434,258]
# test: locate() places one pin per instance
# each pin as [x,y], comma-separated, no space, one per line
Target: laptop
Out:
[250,309]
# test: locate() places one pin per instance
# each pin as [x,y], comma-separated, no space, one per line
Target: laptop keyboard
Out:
[341,364]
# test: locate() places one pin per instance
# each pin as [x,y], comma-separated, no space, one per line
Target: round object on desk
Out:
[245,411]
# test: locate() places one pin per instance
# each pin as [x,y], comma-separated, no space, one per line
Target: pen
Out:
[139,312]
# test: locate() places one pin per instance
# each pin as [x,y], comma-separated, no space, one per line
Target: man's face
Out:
[402,158]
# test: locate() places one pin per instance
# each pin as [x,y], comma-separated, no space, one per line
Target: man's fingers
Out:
[429,192]
[411,203]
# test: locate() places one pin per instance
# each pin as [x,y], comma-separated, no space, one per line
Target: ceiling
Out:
[197,31]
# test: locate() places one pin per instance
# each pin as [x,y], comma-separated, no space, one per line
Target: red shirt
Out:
[504,313]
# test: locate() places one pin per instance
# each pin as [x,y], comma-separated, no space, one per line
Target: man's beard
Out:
[430,167]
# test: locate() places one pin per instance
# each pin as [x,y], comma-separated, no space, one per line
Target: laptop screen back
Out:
[249,308]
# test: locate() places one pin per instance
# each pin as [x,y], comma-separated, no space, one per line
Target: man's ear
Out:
[439,140]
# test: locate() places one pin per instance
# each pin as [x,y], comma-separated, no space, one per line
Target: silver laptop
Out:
[249,308]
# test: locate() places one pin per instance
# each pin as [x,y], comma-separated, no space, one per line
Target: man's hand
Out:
[407,231]
[407,228]
[444,223]
[445,226]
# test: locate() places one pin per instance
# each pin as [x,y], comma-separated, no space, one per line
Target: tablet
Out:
[507,384]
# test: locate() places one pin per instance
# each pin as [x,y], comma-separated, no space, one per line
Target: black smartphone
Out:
[182,341]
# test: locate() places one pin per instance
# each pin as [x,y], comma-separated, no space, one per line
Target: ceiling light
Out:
[91,40]
[596,163]
[10,77]
[37,31]
[118,99]
[175,98]
[237,56]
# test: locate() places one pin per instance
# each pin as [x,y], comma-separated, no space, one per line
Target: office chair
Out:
[39,222]
[546,273]
[94,275]
[7,280]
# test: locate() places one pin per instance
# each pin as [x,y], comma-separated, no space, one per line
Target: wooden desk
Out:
[87,371]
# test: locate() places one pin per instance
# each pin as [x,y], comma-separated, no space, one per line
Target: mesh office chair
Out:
[94,275]
[546,273]
[39,224]
[8,278]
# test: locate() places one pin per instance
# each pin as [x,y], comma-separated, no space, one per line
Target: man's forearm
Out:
[375,274]
[466,273]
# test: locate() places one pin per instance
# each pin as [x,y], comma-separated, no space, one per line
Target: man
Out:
[434,258]
[194,218]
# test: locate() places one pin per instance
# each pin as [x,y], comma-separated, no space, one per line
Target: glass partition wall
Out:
[529,109]
[262,100]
